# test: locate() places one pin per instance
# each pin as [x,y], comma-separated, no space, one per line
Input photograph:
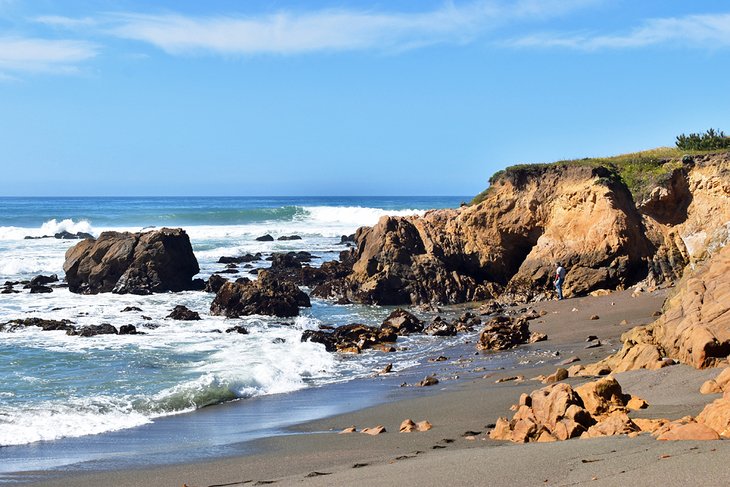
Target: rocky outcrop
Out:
[509,242]
[559,412]
[134,263]
[532,217]
[44,324]
[694,328]
[265,296]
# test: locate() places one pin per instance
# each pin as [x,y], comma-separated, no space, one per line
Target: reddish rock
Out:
[689,431]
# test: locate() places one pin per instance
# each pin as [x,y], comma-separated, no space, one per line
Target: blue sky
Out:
[406,97]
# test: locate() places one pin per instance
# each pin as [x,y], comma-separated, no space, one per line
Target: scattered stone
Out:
[423,426]
[591,338]
[537,337]
[428,381]
[623,322]
[656,314]
[636,403]
[403,322]
[40,290]
[44,324]
[93,330]
[440,327]
[518,378]
[440,358]
[569,360]
[128,330]
[407,426]
[351,429]
[214,283]
[374,431]
[595,317]
[387,369]
[130,308]
[265,238]
[289,237]
[557,376]
[240,329]
[594,344]
[42,280]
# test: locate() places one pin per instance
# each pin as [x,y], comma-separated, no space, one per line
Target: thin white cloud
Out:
[65,22]
[704,31]
[290,32]
[43,55]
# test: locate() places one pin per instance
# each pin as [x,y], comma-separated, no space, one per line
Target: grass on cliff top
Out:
[640,171]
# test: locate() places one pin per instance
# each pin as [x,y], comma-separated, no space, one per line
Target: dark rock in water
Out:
[265,238]
[198,284]
[440,327]
[285,261]
[403,322]
[253,271]
[128,330]
[72,236]
[351,338]
[279,340]
[266,296]
[237,329]
[503,332]
[9,290]
[41,280]
[93,330]
[136,263]
[242,280]
[241,259]
[290,237]
[231,266]
[40,289]
[130,308]
[214,283]
[45,325]
[228,270]
[182,313]
[345,239]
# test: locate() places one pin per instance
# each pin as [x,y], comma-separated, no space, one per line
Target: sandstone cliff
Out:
[578,213]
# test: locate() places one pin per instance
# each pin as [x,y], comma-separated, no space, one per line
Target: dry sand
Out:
[314,454]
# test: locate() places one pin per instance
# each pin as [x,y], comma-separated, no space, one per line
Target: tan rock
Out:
[576,370]
[557,376]
[537,337]
[716,415]
[407,426]
[616,424]
[636,403]
[376,430]
[710,387]
[502,430]
[690,431]
[602,396]
[545,437]
[351,429]
[511,378]
[650,425]
[428,381]
[719,384]
[423,425]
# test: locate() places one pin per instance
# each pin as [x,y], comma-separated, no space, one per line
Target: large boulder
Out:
[265,296]
[352,338]
[503,333]
[135,263]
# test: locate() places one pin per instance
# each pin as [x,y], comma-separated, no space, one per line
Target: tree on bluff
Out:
[710,140]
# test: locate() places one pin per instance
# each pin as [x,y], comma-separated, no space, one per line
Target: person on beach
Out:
[559,280]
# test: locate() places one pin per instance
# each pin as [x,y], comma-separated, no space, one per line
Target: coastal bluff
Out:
[132,263]
[582,214]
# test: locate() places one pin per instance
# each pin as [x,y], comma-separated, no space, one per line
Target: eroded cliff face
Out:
[688,218]
[508,245]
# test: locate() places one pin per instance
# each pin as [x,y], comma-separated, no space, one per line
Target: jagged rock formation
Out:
[134,263]
[534,216]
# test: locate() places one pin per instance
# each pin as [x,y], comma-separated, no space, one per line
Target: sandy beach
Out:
[456,450]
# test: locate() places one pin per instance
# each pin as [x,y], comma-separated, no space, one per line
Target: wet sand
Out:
[456,451]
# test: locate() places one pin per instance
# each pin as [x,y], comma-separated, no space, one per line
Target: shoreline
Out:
[313,447]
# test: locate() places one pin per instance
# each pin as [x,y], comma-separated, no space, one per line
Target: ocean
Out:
[60,392]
